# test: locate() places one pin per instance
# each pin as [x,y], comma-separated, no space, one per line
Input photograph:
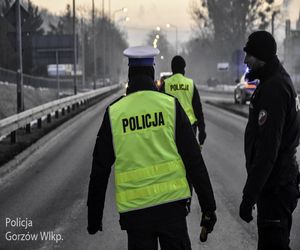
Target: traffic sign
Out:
[223,66]
[45,48]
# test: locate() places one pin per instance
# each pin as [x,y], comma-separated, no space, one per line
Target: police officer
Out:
[185,91]
[148,138]
[271,138]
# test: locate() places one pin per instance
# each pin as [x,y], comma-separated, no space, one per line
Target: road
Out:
[50,190]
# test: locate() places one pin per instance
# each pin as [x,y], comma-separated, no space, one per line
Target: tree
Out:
[113,40]
[6,5]
[32,26]
[34,21]
[226,24]
[8,55]
[163,61]
[65,23]
[232,20]
[200,59]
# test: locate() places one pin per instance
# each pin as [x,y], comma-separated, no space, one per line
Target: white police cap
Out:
[141,55]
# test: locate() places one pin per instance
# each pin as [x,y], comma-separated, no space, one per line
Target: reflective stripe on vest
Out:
[183,89]
[148,169]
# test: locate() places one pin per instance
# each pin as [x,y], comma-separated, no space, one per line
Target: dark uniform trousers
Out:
[171,236]
[274,218]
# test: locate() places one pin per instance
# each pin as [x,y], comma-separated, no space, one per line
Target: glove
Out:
[188,205]
[246,208]
[208,221]
[201,136]
[94,229]
[94,221]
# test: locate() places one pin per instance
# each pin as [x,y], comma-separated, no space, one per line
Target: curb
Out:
[228,108]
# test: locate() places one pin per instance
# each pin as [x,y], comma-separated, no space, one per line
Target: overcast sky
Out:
[145,15]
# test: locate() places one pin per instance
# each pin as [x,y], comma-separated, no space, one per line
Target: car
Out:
[163,76]
[212,82]
[244,90]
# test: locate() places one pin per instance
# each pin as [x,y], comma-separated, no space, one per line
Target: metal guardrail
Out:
[10,124]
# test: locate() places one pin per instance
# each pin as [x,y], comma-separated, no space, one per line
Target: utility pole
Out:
[82,35]
[103,45]
[94,44]
[57,73]
[176,35]
[109,9]
[272,21]
[75,54]
[110,30]
[20,93]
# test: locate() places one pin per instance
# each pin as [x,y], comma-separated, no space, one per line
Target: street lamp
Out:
[273,18]
[155,43]
[111,37]
[123,19]
[168,25]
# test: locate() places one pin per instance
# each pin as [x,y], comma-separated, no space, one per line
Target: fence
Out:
[24,119]
[10,76]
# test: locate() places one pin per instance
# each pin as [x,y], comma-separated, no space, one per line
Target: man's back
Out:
[182,88]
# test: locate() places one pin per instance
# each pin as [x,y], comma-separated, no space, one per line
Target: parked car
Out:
[244,90]
[212,82]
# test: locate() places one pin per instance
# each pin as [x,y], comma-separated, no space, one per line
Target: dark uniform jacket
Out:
[197,107]
[104,157]
[272,132]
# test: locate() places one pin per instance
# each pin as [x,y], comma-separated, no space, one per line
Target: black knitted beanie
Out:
[262,45]
[178,64]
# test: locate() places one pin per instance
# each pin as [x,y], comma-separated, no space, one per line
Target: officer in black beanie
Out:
[184,89]
[271,138]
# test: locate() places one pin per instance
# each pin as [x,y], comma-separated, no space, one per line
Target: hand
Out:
[208,221]
[94,220]
[246,210]
[94,229]
[201,137]
[188,204]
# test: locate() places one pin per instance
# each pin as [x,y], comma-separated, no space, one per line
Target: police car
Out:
[244,90]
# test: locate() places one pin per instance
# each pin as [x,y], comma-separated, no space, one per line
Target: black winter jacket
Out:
[272,132]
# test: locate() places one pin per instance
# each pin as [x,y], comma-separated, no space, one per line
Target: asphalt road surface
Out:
[50,191]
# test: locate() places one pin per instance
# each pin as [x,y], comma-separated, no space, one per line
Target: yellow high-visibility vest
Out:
[148,168]
[183,89]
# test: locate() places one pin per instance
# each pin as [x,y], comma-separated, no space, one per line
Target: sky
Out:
[146,15]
